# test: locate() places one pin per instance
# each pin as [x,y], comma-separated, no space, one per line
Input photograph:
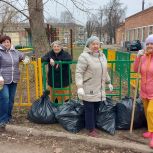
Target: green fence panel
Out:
[54,94]
[117,77]
[125,67]
[105,51]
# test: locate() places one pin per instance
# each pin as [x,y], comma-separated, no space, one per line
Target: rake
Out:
[135,96]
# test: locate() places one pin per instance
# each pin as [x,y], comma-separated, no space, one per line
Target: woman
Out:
[9,74]
[91,77]
[144,60]
[54,81]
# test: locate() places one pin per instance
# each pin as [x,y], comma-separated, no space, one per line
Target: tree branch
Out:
[15,8]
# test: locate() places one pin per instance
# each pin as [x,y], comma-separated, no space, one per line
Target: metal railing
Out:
[34,78]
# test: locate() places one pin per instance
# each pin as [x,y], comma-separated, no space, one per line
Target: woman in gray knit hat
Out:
[91,77]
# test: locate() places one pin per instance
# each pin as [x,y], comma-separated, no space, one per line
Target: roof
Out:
[140,13]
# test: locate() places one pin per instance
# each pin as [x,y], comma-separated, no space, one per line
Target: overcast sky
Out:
[54,9]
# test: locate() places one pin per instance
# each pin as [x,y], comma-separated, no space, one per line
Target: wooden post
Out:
[71,43]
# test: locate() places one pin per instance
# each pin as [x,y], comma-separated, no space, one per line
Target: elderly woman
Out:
[9,76]
[58,54]
[144,62]
[91,77]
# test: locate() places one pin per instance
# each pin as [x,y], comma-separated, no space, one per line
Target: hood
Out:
[96,54]
[87,50]
[3,48]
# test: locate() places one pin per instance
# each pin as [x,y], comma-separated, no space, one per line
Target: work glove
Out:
[110,87]
[26,60]
[52,62]
[140,53]
[81,93]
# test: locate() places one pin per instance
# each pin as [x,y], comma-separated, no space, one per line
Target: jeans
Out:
[91,109]
[7,95]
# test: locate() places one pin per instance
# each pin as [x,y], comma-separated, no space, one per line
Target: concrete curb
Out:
[100,141]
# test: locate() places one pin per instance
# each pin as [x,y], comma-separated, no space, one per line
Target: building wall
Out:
[14,37]
[120,34]
[137,26]
[18,38]
[140,25]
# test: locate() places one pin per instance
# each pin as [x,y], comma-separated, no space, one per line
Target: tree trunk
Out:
[38,32]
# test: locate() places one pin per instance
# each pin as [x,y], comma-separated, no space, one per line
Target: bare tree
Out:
[91,25]
[37,26]
[36,20]
[52,20]
[66,17]
[7,15]
[100,23]
[114,15]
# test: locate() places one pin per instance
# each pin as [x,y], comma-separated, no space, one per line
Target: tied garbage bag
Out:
[42,110]
[124,112]
[105,119]
[71,116]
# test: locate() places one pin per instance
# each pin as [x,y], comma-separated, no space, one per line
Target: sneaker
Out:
[147,135]
[93,133]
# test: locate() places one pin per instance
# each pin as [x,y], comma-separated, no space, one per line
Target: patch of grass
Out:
[77,51]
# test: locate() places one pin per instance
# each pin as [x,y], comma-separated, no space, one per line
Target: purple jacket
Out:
[9,64]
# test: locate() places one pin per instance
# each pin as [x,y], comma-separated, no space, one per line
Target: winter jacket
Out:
[92,75]
[146,71]
[66,78]
[9,64]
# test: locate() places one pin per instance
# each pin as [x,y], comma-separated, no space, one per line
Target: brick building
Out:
[137,26]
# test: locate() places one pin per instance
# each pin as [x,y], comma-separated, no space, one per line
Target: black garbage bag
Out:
[105,119]
[71,116]
[42,110]
[124,112]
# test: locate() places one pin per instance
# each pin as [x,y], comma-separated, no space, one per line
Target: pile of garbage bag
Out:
[124,112]
[71,116]
[42,110]
[106,116]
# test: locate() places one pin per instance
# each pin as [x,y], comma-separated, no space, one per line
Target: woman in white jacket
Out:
[91,77]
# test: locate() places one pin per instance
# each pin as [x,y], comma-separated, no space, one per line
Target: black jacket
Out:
[61,56]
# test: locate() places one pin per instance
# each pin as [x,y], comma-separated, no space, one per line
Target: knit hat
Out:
[149,39]
[91,39]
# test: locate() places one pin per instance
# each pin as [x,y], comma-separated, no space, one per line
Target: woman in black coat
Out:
[59,70]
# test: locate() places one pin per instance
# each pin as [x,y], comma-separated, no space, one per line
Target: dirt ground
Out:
[12,143]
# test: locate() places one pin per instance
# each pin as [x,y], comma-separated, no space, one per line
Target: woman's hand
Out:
[1,80]
[140,53]
[26,60]
[81,93]
[110,87]
[52,62]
